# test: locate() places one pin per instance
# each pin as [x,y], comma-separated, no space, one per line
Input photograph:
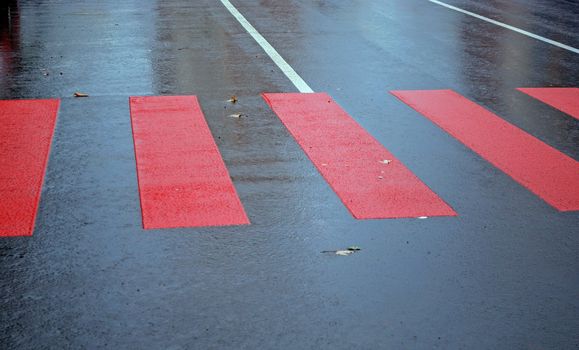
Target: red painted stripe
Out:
[26,129]
[348,157]
[183,181]
[542,169]
[564,99]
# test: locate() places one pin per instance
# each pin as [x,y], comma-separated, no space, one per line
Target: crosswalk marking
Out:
[564,99]
[369,180]
[26,131]
[183,181]
[545,171]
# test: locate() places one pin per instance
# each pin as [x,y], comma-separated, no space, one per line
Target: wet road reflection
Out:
[9,42]
[82,46]
[509,63]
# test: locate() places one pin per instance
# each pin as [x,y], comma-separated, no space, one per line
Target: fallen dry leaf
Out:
[233,99]
[80,94]
[344,252]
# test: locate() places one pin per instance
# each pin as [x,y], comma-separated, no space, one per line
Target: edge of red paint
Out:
[55,107]
[448,210]
[564,99]
[244,220]
[562,199]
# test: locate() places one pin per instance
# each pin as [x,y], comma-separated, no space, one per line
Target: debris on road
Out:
[233,99]
[80,94]
[238,115]
[344,252]
[385,161]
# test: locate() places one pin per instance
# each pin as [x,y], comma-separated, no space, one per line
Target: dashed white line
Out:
[289,72]
[515,29]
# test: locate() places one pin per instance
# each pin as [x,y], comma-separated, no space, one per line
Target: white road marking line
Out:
[289,72]
[515,29]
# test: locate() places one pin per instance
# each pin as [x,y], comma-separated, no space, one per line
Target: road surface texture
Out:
[501,274]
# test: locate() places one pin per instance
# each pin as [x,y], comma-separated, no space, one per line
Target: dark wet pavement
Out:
[504,274]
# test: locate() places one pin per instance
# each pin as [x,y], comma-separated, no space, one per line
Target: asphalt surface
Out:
[504,274]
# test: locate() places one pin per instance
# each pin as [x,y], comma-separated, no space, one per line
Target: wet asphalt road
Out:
[504,274]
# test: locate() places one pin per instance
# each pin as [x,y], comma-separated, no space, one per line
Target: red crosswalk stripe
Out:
[564,99]
[369,180]
[542,169]
[25,139]
[183,181]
